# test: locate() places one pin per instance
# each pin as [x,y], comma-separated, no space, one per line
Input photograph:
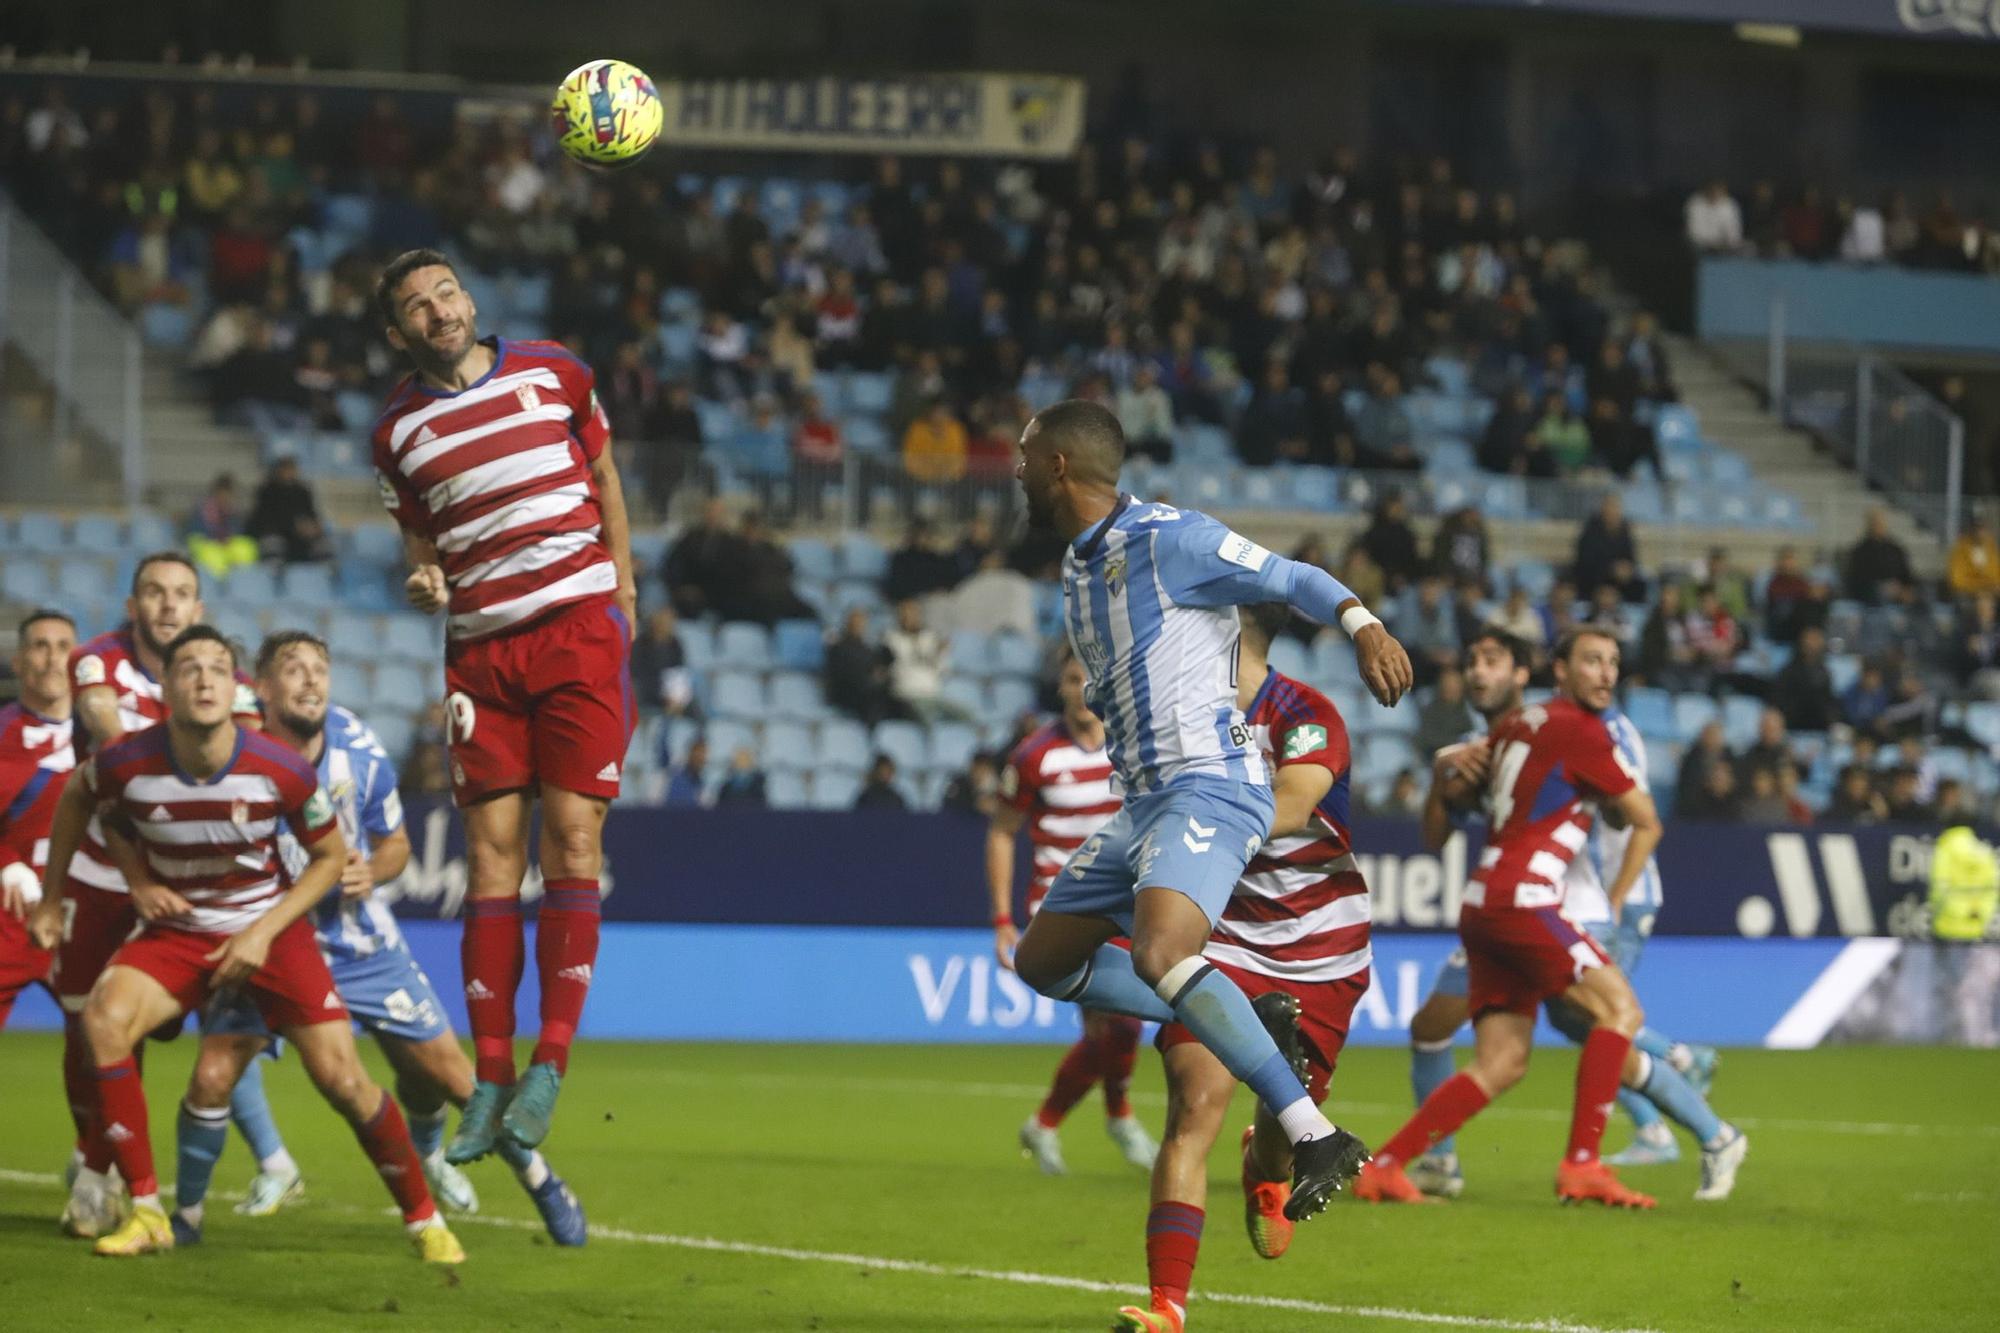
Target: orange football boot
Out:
[1594,1182]
[1264,1208]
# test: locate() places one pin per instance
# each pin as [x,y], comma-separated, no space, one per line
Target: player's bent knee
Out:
[107,1027]
[213,1080]
[1152,960]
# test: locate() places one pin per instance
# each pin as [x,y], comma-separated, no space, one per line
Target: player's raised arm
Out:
[1455,777]
[1216,567]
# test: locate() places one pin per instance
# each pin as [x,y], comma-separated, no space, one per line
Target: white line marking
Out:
[1018,1277]
[1035,1092]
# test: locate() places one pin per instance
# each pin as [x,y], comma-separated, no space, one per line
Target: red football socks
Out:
[1455,1101]
[565,953]
[1597,1076]
[1118,1052]
[385,1137]
[122,1126]
[492,955]
[1074,1077]
[1173,1238]
[80,1085]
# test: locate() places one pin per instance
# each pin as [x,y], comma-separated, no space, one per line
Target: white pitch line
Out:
[1018,1277]
[1018,1091]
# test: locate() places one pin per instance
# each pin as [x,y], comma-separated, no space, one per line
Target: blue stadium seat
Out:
[1010,698]
[98,533]
[1952,763]
[967,695]
[697,643]
[902,742]
[309,585]
[952,745]
[787,790]
[929,790]
[734,695]
[1291,657]
[843,744]
[1200,442]
[787,747]
[1262,488]
[725,736]
[795,697]
[835,790]
[1982,721]
[1015,655]
[252,585]
[681,304]
[799,646]
[1675,425]
[670,738]
[849,594]
[1739,719]
[1334,661]
[1844,669]
[865,435]
[743,646]
[862,557]
[149,532]
[813,558]
[1402,719]
[1663,765]
[400,687]
[376,543]
[394,729]
[163,325]
[1651,711]
[677,345]
[1537,576]
[37,532]
[240,624]
[26,581]
[970,652]
[1692,712]
[413,638]
[1385,754]
[869,392]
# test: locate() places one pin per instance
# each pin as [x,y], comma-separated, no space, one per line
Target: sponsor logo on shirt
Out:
[1305,740]
[1240,550]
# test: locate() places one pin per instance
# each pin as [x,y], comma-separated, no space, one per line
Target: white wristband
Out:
[20,878]
[1357,618]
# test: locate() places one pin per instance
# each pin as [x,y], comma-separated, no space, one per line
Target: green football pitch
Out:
[846,1187]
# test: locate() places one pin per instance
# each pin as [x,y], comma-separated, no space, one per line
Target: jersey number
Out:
[1507,765]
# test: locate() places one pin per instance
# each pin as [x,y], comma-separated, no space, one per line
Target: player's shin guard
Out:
[1173,1239]
[1217,1011]
[565,953]
[1075,1076]
[199,1138]
[386,1139]
[1430,1065]
[492,954]
[1108,982]
[1457,1100]
[1669,1090]
[122,1124]
[251,1110]
[1117,1054]
[1597,1077]
[80,1086]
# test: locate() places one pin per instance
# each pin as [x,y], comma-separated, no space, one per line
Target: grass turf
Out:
[1871,1200]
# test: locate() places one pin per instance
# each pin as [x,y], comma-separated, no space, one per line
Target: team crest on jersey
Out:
[318,810]
[239,812]
[530,399]
[1114,576]
[89,671]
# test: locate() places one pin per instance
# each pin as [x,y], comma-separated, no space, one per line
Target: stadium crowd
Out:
[1808,223]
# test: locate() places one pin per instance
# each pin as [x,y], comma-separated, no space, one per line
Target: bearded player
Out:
[1057,783]
[35,762]
[201,801]
[1295,938]
[378,979]
[115,688]
[495,460]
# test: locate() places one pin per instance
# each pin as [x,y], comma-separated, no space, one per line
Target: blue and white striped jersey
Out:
[1607,845]
[1149,600]
[357,774]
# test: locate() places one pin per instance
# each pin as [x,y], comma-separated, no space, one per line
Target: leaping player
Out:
[35,762]
[1149,596]
[1058,783]
[378,979]
[495,460]
[201,801]
[1295,936]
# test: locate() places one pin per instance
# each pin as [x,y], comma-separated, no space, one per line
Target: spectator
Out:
[1146,414]
[878,791]
[1954,804]
[665,453]
[1912,708]
[1608,613]
[1273,427]
[1855,800]
[1877,567]
[701,565]
[215,536]
[917,662]
[1666,654]
[743,784]
[284,518]
[1446,717]
[816,439]
[935,446]
[1803,689]
[1717,799]
[1612,378]
[995,600]
[723,358]
[1428,630]
[790,356]
[1867,699]
[687,784]
[1973,569]
[1979,647]
[1714,222]
[760,588]
[1564,434]
[1604,547]
[977,790]
[1710,750]
[1773,747]
[660,672]
[426,768]
[857,673]
[1763,801]
[1559,612]
[1864,236]
[1732,589]
[1905,801]
[1391,543]
[1503,447]
[1647,353]
[1797,812]
[920,566]
[1459,547]
[1785,598]
[974,542]
[1713,634]
[1403,799]
[1329,429]
[1382,429]
[1520,618]
[837,321]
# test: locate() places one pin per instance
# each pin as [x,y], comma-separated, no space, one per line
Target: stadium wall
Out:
[1879,307]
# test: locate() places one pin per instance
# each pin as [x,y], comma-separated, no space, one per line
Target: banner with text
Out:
[1002,115]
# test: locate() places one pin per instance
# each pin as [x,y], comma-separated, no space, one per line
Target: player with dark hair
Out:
[114,689]
[495,459]
[1057,784]
[1150,598]
[1545,771]
[35,761]
[1295,937]
[378,979]
[202,801]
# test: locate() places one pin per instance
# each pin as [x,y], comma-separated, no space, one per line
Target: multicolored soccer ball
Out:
[606,113]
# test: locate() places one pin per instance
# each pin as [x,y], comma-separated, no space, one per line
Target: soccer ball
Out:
[606,113]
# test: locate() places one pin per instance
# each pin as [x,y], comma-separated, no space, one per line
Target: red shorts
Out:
[551,703]
[1517,958]
[1326,1009]
[21,964]
[292,989]
[96,922]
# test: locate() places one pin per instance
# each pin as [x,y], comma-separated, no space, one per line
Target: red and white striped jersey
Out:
[497,475]
[1550,762]
[112,660]
[214,841]
[1300,911]
[1065,792]
[35,762]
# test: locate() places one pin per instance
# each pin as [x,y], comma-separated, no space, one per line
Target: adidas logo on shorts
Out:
[609,773]
[117,1132]
[576,972]
[475,989]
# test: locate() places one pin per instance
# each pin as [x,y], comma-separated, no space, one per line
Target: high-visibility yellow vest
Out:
[1965,885]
